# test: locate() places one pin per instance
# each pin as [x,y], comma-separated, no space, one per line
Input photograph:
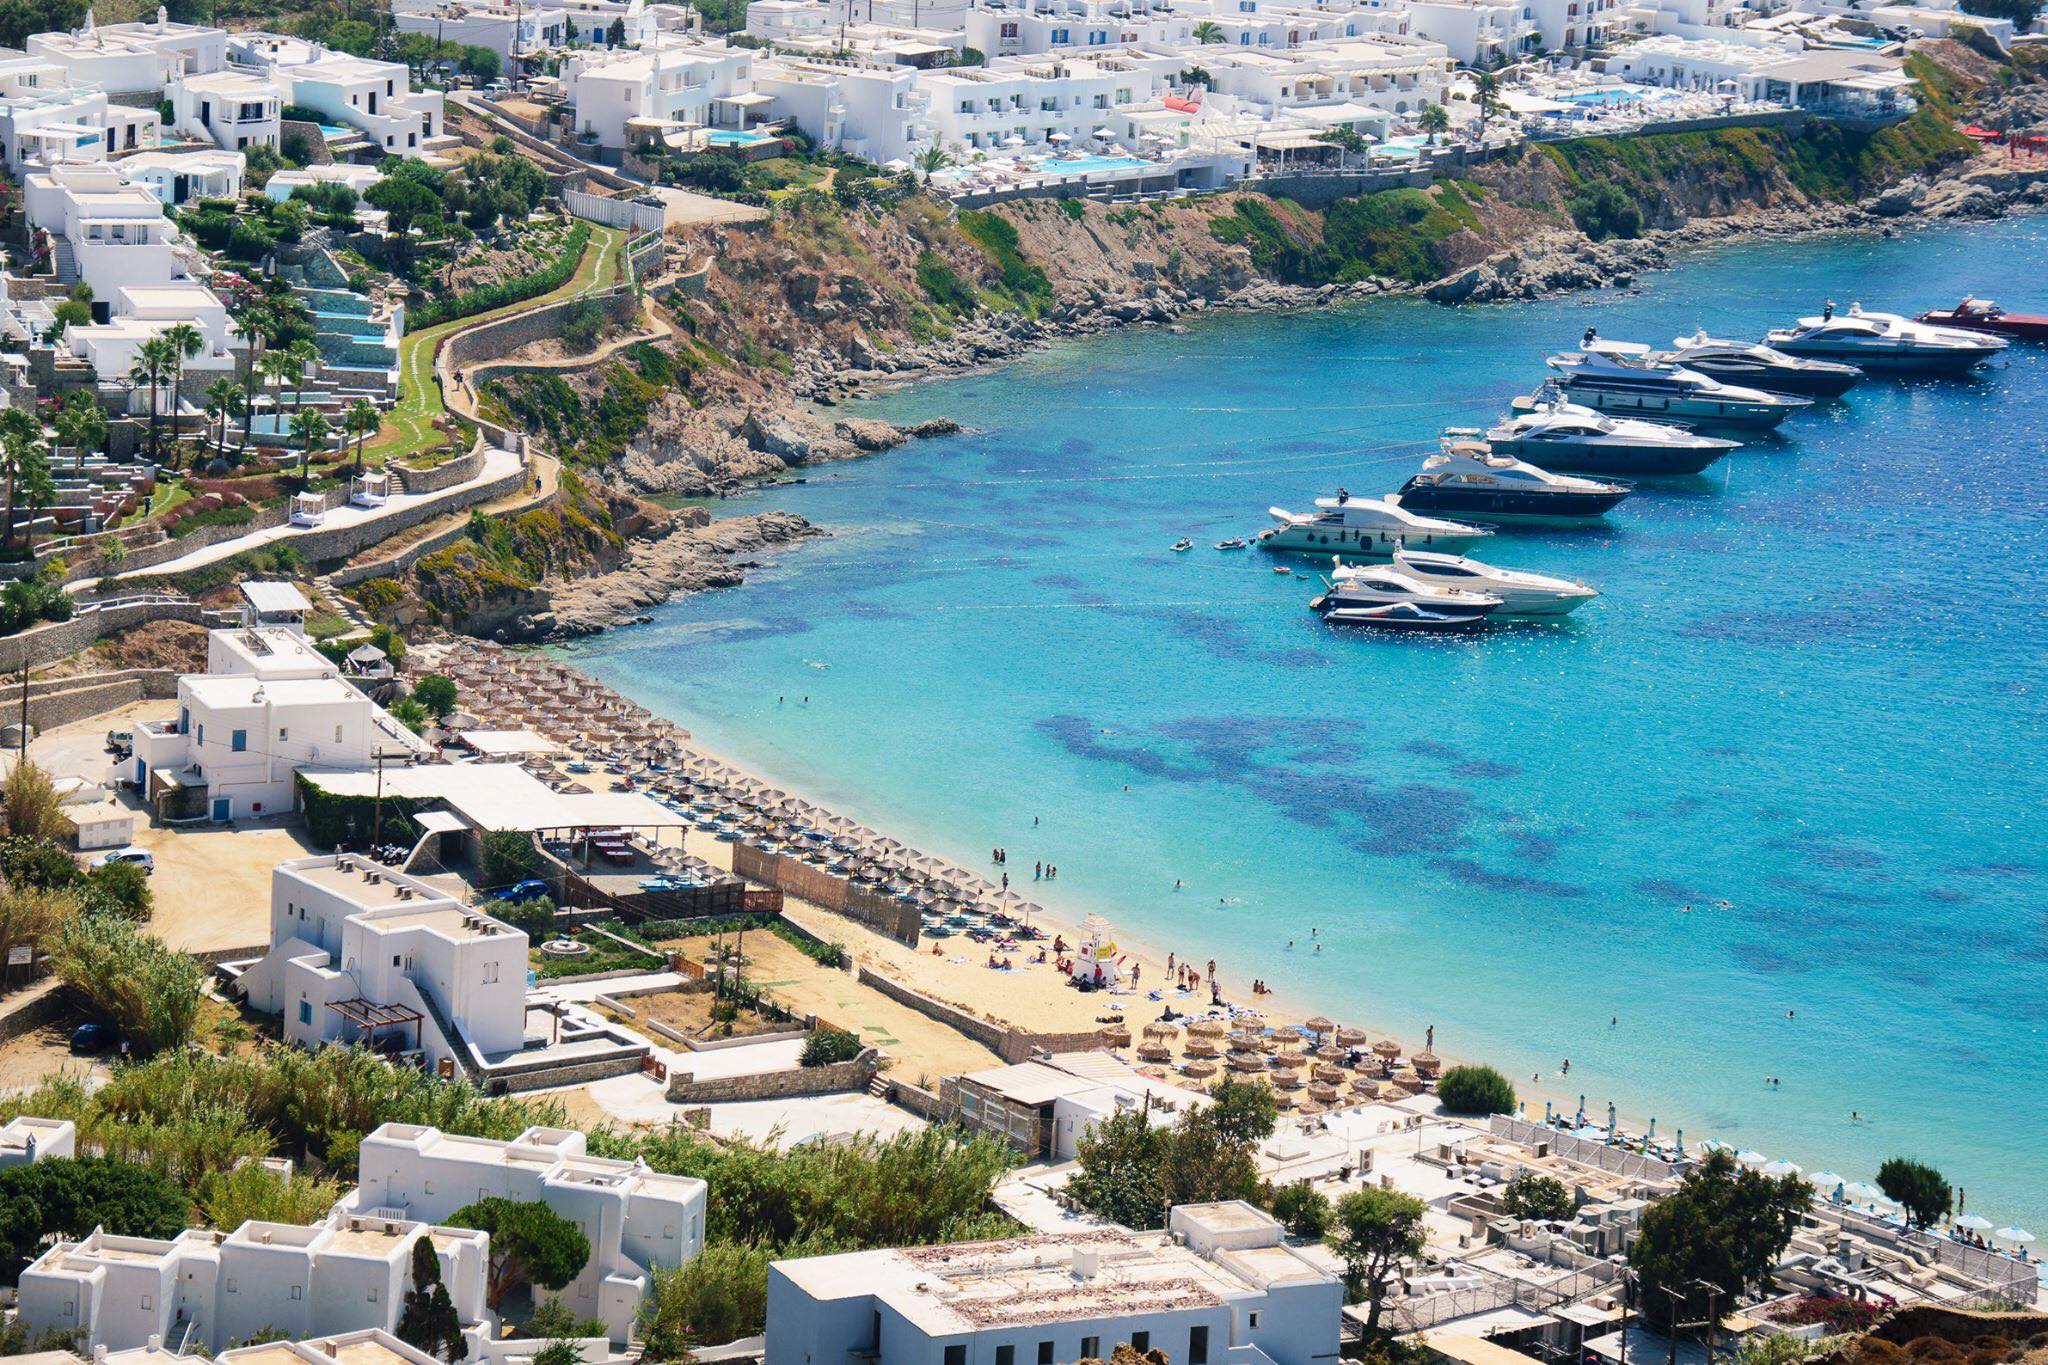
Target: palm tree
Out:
[361,421]
[187,342]
[154,362]
[223,400]
[1486,89]
[255,324]
[277,368]
[21,437]
[1434,119]
[932,160]
[309,429]
[303,353]
[82,425]
[1206,32]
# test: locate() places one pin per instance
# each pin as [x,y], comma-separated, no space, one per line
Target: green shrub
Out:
[1476,1090]
[1303,1209]
[554,276]
[146,990]
[826,1046]
[1603,211]
[942,284]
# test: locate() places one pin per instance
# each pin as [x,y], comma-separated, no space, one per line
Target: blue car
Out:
[521,892]
[94,1037]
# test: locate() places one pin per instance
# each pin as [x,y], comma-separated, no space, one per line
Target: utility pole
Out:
[1671,1331]
[1713,1316]
[24,703]
[377,812]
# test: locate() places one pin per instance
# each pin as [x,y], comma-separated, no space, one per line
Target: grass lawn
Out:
[409,428]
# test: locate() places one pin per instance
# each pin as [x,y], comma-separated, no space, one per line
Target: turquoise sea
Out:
[1808,706]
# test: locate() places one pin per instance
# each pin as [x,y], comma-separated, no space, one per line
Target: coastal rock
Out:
[870,435]
[1903,198]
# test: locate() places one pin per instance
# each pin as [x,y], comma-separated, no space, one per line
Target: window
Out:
[283,733]
[1091,1346]
[231,1286]
[1044,1353]
[373,1293]
[394,959]
[490,973]
[337,734]
[1141,1342]
[145,1303]
[1005,1355]
[238,741]
[305,1017]
[1252,1319]
[298,1292]
[1198,1346]
[200,732]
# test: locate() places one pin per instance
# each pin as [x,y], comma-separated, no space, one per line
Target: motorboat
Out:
[1400,616]
[1469,478]
[1234,543]
[1886,341]
[1521,593]
[1982,315]
[1182,546]
[1627,377]
[1757,366]
[1365,528]
[1558,434]
[1379,585]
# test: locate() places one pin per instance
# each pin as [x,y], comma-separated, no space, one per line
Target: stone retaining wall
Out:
[920,1102]
[61,639]
[773,1085]
[30,1008]
[980,1030]
[491,340]
[1320,191]
[446,474]
[391,566]
[547,1078]
[177,547]
[883,914]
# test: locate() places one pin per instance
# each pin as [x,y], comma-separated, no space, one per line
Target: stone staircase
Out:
[349,611]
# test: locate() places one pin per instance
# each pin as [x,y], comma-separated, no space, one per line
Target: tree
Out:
[932,160]
[81,424]
[1539,1196]
[436,692]
[24,459]
[559,1353]
[224,402]
[480,63]
[428,1321]
[410,714]
[148,991]
[615,36]
[720,1295]
[1375,1231]
[404,200]
[1119,1159]
[1243,1111]
[29,803]
[69,1198]
[1207,32]
[277,368]
[310,430]
[31,916]
[232,1197]
[1201,1165]
[1433,119]
[1475,1090]
[185,342]
[530,1244]
[1303,1209]
[1348,140]
[1486,90]
[826,1046]
[554,1319]
[154,364]
[1724,1226]
[2023,13]
[304,354]
[361,421]
[1923,1190]
[119,888]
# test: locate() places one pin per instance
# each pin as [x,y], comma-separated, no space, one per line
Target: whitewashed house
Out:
[1218,1285]
[622,98]
[26,1139]
[634,1218]
[209,1288]
[507,29]
[137,59]
[47,118]
[374,97]
[869,111]
[177,177]
[235,109]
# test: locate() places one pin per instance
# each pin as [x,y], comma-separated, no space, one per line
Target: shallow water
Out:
[1791,761]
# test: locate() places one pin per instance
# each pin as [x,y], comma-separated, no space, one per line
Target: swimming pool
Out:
[331,131]
[1091,165]
[1636,94]
[729,137]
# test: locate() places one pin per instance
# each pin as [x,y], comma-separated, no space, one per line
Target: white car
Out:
[141,857]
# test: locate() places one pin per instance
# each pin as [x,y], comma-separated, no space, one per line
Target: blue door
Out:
[141,774]
[223,808]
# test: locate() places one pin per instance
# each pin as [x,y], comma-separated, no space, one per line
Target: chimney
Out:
[1087,1263]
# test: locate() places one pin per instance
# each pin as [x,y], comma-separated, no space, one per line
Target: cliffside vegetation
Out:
[502,558]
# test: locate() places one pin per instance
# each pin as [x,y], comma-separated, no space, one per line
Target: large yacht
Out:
[1561,435]
[1757,366]
[1521,593]
[1365,528]
[1886,341]
[1377,585]
[1466,478]
[1625,377]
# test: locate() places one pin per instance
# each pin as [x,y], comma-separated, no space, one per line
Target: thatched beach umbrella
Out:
[1427,1064]
[1200,1068]
[1202,1047]
[1335,1056]
[1352,1037]
[1244,1062]
[1290,1058]
[1208,1028]
[1322,1094]
[1319,1026]
[1162,1028]
[1116,1035]
[1388,1048]
[1287,1080]
[1329,1075]
[1154,1052]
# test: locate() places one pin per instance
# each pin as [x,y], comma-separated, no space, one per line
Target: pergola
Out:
[371,1016]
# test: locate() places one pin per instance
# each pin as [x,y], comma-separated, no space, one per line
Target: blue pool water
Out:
[730,137]
[1634,95]
[1089,165]
[1809,705]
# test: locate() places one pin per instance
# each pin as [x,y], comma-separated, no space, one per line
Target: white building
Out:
[1219,1284]
[199,173]
[115,233]
[506,29]
[26,1139]
[1476,32]
[45,117]
[133,59]
[212,1288]
[360,954]
[358,92]
[869,111]
[634,1218]
[235,109]
[1345,82]
[268,704]
[138,312]
[1829,81]
[1571,25]
[1037,101]
[623,98]
[357,178]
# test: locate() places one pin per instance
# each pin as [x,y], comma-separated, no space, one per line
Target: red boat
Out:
[1982,315]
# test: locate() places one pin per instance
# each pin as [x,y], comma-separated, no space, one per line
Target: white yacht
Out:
[1885,341]
[1363,586]
[1626,377]
[1521,593]
[1466,478]
[1758,366]
[1562,435]
[1364,528]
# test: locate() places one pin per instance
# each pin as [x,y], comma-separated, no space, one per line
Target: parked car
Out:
[94,1037]
[121,742]
[532,889]
[141,857]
